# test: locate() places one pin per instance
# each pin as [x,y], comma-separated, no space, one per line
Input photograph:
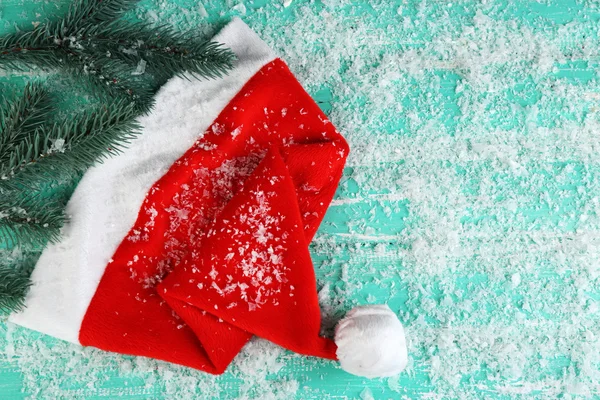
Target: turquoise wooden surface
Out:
[469,204]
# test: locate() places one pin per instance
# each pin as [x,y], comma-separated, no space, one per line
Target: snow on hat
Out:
[187,245]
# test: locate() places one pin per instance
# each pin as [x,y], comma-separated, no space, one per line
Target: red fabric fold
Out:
[220,248]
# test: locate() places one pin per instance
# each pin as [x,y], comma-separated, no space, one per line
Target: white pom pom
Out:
[371,342]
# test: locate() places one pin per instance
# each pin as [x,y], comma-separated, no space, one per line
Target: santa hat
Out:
[188,244]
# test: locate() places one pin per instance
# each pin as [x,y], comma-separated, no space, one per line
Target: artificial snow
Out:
[140,68]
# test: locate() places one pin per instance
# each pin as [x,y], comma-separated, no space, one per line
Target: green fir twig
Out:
[15,280]
[72,146]
[90,44]
[29,221]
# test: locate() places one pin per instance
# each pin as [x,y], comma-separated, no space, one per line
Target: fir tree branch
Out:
[19,119]
[98,71]
[90,137]
[165,51]
[91,12]
[29,221]
[14,282]
[89,42]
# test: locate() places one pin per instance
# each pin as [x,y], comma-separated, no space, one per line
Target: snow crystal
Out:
[240,8]
[236,131]
[58,146]
[140,69]
[202,11]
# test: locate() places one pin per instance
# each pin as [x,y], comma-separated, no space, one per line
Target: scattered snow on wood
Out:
[470,204]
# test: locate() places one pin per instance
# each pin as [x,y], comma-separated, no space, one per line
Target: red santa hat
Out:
[196,237]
